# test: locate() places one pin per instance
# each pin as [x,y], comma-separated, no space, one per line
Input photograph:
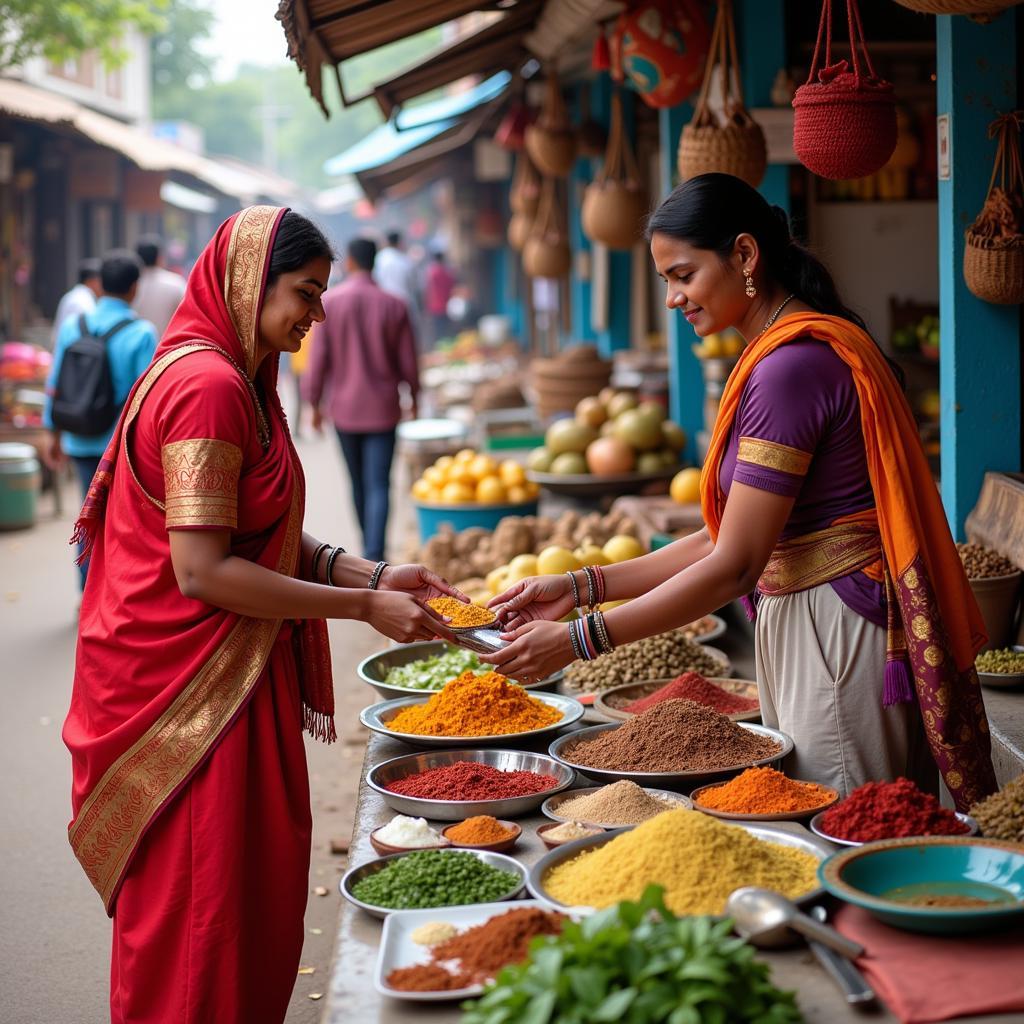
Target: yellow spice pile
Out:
[698,859]
[460,613]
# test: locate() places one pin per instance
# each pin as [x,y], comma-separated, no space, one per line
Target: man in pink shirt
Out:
[362,353]
[438,288]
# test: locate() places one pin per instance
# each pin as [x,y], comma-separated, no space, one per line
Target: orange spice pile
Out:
[765,791]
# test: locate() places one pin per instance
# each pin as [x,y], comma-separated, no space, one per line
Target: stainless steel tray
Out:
[550,806]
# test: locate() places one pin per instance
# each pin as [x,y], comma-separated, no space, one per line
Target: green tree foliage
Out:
[174,52]
[63,29]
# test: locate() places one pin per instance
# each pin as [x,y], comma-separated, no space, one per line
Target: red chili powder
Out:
[890,810]
[467,780]
[693,686]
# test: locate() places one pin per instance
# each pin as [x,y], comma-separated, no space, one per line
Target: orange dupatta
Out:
[943,626]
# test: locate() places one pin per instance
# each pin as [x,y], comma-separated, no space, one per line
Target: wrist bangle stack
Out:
[321,548]
[595,585]
[575,642]
[575,590]
[378,571]
[331,559]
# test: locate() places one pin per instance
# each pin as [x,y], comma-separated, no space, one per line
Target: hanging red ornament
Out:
[600,57]
[509,133]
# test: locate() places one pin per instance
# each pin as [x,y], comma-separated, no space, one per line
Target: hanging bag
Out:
[736,147]
[979,10]
[845,123]
[994,253]
[546,252]
[551,140]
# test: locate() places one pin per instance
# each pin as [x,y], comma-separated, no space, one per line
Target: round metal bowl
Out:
[496,860]
[714,633]
[587,485]
[1001,680]
[374,669]
[535,878]
[550,806]
[387,772]
[780,816]
[376,717]
[669,780]
[815,826]
[611,703]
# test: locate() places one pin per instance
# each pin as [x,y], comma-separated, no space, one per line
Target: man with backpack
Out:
[97,358]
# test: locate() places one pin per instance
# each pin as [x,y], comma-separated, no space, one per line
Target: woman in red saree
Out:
[203,648]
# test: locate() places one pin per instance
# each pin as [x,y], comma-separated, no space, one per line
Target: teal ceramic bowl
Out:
[942,885]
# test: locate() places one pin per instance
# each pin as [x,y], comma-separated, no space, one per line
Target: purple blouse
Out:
[797,433]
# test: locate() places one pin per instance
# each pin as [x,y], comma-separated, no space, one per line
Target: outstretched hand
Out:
[538,650]
[418,581]
[401,617]
[535,598]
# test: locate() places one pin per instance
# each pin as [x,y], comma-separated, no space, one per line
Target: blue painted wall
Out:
[980,359]
[579,287]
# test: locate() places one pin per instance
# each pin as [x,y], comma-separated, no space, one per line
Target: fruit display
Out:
[474,478]
[685,486]
[611,434]
[923,336]
[727,345]
[469,557]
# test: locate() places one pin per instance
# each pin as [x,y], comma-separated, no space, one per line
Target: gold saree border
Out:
[201,482]
[251,236]
[772,455]
[819,557]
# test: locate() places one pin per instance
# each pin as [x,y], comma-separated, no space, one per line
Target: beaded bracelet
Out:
[589,652]
[591,588]
[602,630]
[577,653]
[321,548]
[595,636]
[378,571]
[601,588]
[575,590]
[331,559]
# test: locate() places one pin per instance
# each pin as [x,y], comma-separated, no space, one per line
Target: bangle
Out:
[577,653]
[378,571]
[321,548]
[590,586]
[581,639]
[575,590]
[331,559]
[594,633]
[602,631]
[601,588]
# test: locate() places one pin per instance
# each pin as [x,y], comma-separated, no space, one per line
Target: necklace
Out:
[775,315]
[262,426]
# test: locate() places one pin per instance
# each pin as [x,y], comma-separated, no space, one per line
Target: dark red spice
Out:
[890,810]
[693,686]
[467,780]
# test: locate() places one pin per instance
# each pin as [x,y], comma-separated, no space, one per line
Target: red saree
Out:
[190,794]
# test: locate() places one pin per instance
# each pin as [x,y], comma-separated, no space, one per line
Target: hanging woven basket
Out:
[994,251]
[551,140]
[981,10]
[546,252]
[708,143]
[524,195]
[845,122]
[613,203]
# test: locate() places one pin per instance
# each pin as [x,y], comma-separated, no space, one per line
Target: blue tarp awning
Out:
[413,128]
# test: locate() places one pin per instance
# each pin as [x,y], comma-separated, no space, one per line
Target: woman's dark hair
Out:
[298,241]
[710,211]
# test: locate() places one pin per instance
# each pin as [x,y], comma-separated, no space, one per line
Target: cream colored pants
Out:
[820,675]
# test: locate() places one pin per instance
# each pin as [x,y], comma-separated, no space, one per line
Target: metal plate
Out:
[666,779]
[535,879]
[550,806]
[398,768]
[357,874]
[1001,680]
[783,816]
[815,826]
[376,716]
[714,633]
[586,485]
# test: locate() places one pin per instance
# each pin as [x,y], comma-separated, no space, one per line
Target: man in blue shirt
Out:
[129,350]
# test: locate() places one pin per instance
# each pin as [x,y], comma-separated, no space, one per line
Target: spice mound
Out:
[479,831]
[404,831]
[462,615]
[1001,815]
[982,563]
[568,831]
[434,878]
[472,705]
[698,859]
[693,686]
[890,810]
[477,954]
[621,803]
[674,736]
[765,791]
[432,933]
[468,780]
[1003,661]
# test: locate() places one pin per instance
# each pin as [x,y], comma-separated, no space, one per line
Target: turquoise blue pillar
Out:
[685,380]
[980,358]
[761,38]
[580,286]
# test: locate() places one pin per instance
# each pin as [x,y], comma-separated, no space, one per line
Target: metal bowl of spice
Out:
[763,794]
[675,745]
[736,698]
[816,825]
[613,806]
[449,785]
[483,832]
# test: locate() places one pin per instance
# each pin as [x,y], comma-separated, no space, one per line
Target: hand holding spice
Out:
[469,780]
[482,830]
[765,791]
[461,614]
[693,686]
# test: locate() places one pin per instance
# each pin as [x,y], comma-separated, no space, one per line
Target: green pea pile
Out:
[434,878]
[1004,661]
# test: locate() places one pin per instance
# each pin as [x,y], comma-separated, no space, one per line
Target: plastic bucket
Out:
[19,485]
[998,598]
[462,517]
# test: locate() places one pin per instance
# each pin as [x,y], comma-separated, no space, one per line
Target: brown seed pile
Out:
[1001,816]
[981,562]
[664,656]
[674,736]
[621,803]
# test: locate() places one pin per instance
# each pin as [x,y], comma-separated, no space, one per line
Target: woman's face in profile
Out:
[705,289]
[292,305]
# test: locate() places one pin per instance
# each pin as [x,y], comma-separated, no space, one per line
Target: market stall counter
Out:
[352,995]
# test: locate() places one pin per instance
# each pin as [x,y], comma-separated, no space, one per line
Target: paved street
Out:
[54,935]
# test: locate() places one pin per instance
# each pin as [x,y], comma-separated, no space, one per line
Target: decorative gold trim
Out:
[251,235]
[815,558]
[201,482]
[773,455]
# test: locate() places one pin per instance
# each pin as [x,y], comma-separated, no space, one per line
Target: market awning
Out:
[186,198]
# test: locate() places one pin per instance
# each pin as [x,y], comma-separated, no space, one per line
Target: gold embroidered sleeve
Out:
[772,455]
[201,482]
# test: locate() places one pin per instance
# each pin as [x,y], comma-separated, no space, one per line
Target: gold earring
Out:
[748,286]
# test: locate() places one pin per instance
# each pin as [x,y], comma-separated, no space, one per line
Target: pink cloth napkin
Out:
[925,978]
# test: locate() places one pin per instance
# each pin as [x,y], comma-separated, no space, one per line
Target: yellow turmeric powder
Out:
[698,859]
[461,614]
[476,705]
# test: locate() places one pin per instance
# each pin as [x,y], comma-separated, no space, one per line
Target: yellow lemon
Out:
[457,494]
[554,559]
[512,473]
[483,465]
[496,580]
[461,473]
[532,489]
[520,567]
[466,455]
[435,477]
[518,495]
[435,497]
[421,490]
[622,548]
[491,491]
[591,554]
[685,487]
[444,463]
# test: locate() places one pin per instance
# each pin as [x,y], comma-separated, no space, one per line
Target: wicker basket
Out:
[992,274]
[551,140]
[524,195]
[982,10]
[736,147]
[546,252]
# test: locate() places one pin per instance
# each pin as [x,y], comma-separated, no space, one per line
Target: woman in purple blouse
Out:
[793,518]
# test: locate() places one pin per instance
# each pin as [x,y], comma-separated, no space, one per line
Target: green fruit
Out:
[638,429]
[568,435]
[650,462]
[622,401]
[539,460]
[568,464]
[653,409]
[673,435]
[904,339]
[669,457]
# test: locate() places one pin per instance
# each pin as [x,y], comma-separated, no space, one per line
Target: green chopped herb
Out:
[432,673]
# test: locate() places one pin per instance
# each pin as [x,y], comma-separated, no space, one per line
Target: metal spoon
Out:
[842,971]
[760,912]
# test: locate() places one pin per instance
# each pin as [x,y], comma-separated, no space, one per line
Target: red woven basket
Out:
[845,123]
